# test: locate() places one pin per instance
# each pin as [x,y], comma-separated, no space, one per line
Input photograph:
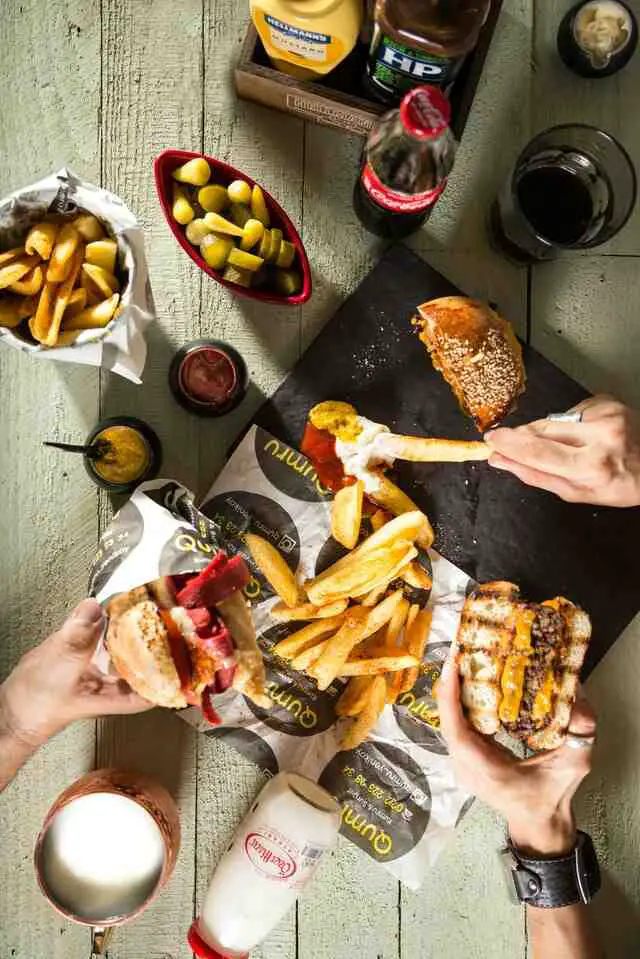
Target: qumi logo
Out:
[268,856]
[405,64]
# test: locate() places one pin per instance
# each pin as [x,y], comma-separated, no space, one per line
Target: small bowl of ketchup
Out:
[208,378]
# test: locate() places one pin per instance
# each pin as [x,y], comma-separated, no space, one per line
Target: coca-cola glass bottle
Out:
[405,164]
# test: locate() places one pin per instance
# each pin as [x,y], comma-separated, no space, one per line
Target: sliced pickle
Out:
[235,275]
[287,282]
[286,255]
[245,261]
[239,214]
[274,246]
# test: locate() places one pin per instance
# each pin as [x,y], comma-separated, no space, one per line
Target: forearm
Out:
[14,749]
[566,933]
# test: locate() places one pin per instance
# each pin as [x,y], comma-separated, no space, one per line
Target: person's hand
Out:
[55,683]
[596,461]
[534,795]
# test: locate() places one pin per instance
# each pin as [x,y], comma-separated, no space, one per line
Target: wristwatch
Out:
[553,882]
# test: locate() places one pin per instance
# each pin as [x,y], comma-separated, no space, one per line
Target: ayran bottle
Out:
[274,854]
[307,38]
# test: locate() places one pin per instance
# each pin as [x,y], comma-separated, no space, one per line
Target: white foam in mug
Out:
[101,857]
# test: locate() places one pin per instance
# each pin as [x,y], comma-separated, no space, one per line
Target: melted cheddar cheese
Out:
[542,702]
[512,680]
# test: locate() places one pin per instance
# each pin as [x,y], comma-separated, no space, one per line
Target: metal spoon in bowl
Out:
[94,451]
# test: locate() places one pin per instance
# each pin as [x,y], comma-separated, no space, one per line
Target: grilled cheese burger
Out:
[520,663]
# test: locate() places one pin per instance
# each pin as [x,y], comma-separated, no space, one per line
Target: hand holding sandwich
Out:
[594,461]
[53,685]
[534,795]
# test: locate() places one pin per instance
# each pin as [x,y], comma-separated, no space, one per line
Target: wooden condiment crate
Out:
[338,101]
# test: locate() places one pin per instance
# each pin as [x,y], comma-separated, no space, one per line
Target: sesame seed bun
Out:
[478,354]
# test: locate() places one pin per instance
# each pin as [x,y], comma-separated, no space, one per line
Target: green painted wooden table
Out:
[103,86]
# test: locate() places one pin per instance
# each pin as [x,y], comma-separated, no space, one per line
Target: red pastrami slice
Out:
[206,706]
[221,578]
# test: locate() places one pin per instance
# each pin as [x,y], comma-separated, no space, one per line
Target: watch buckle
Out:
[582,877]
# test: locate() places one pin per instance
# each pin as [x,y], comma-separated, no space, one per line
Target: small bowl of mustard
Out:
[130,453]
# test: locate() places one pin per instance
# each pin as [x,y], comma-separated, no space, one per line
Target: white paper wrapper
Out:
[400,803]
[121,346]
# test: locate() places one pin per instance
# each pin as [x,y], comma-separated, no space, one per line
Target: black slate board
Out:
[486,521]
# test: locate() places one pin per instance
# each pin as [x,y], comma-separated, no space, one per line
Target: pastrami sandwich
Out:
[520,663]
[181,638]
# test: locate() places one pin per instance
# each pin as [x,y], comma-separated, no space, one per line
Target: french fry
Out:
[62,299]
[61,261]
[393,684]
[307,636]
[40,322]
[76,304]
[374,596]
[346,514]
[307,611]
[379,518]
[396,623]
[106,283]
[393,573]
[274,568]
[367,719]
[31,282]
[423,449]
[411,615]
[102,253]
[354,697]
[10,255]
[307,658]
[14,309]
[378,665]
[417,634]
[393,499]
[336,652]
[383,613]
[89,227]
[94,317]
[361,575]
[67,337]
[14,271]
[415,575]
[41,239]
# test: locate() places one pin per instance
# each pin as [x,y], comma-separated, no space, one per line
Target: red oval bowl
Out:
[164,165]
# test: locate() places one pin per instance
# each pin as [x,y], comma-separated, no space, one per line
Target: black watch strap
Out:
[563,881]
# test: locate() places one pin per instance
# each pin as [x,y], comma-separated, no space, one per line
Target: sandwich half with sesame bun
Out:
[520,663]
[478,354]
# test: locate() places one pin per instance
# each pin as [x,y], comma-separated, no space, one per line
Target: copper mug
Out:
[108,845]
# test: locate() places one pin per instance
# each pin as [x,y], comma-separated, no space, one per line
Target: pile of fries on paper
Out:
[360,624]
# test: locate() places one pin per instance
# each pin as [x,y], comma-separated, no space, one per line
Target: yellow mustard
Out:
[338,418]
[127,457]
[307,38]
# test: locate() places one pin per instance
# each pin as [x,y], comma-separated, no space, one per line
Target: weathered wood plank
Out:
[49,79]
[560,96]
[585,319]
[152,99]
[462,908]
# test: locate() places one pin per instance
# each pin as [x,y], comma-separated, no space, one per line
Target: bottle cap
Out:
[203,950]
[425,112]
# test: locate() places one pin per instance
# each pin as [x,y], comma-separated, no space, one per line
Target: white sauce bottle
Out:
[274,854]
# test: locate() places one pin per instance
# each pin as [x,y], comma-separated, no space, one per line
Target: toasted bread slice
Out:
[478,354]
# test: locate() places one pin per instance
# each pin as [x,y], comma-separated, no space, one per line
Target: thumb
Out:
[79,634]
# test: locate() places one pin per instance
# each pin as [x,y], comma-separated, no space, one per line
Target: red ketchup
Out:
[208,377]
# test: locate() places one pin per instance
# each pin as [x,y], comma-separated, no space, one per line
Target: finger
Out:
[453,724]
[110,695]
[571,434]
[595,407]
[81,631]
[583,720]
[562,487]
[524,446]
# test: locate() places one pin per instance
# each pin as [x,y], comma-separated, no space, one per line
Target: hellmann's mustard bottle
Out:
[307,38]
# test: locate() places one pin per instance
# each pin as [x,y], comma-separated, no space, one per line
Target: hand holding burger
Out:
[55,684]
